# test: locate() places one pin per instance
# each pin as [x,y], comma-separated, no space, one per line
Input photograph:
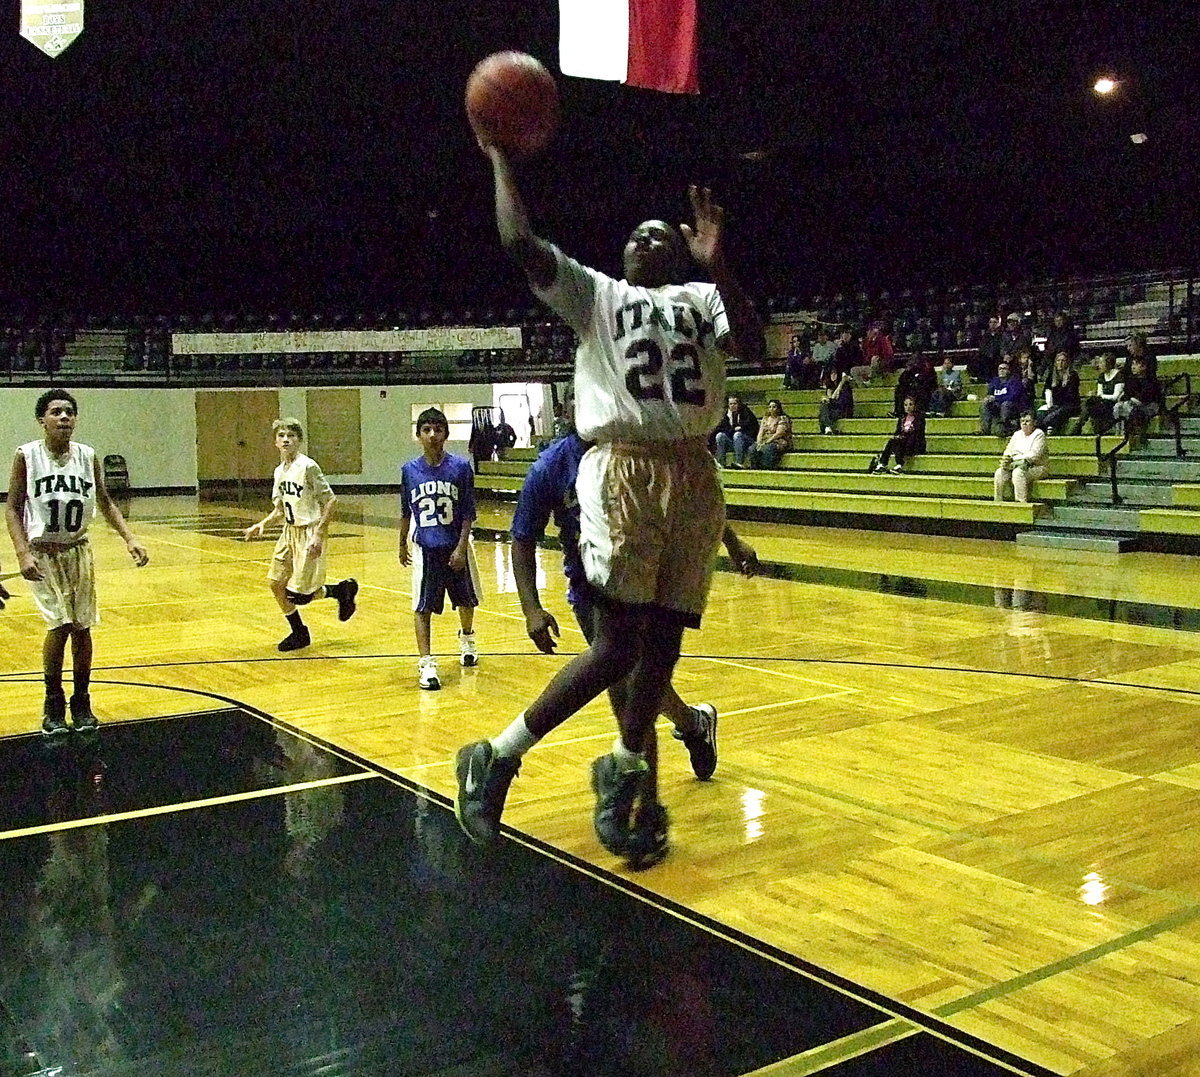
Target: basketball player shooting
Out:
[649,386]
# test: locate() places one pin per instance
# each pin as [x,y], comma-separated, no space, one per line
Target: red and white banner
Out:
[652,44]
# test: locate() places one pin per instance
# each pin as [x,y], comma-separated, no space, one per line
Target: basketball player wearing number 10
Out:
[301,497]
[649,388]
[55,489]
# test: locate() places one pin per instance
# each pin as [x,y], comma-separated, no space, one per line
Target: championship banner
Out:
[442,339]
[51,25]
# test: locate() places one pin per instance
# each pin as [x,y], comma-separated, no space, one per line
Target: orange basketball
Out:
[512,101]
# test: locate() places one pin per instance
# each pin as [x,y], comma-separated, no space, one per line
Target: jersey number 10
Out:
[65,515]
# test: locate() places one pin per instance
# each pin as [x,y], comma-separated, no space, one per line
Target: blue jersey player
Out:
[437,503]
[549,491]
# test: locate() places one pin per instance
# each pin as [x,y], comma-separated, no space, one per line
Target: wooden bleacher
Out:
[824,480]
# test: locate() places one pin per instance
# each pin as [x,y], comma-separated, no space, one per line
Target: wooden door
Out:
[235,450]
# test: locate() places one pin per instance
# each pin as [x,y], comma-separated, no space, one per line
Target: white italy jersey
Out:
[301,489]
[648,367]
[60,494]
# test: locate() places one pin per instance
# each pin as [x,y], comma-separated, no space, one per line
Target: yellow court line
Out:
[840,1050]
[186,805]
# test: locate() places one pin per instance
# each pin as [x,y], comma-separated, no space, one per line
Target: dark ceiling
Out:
[313,154]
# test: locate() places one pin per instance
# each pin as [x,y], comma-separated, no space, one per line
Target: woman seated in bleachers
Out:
[1096,414]
[1060,395]
[774,437]
[1023,462]
[839,399]
[907,439]
[1140,401]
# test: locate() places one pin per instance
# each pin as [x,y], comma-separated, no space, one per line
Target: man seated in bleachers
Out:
[1002,405]
[823,351]
[737,430]
[949,388]
[1023,462]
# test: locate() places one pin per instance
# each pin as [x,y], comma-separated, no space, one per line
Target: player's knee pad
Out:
[298,599]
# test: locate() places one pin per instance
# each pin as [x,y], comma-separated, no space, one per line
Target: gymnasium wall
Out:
[155,429]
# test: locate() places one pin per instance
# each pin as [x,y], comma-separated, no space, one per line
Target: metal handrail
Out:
[1173,414]
[1111,458]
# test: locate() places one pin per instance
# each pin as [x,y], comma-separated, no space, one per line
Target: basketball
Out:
[512,101]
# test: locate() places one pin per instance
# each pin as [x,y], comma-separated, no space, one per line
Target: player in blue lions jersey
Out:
[437,502]
[549,491]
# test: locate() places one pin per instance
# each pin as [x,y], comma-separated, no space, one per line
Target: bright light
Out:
[1138,139]
[1105,85]
[1094,890]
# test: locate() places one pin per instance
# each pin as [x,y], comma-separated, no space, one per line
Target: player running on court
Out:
[302,499]
[55,489]
[649,387]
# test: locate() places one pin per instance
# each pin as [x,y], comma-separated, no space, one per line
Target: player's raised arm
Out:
[533,254]
[705,241]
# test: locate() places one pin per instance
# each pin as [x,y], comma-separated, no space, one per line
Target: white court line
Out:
[662,726]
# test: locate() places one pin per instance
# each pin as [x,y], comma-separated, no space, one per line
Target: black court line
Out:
[354,929]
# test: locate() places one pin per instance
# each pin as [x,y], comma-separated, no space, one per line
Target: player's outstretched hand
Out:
[542,629]
[252,532]
[139,553]
[704,239]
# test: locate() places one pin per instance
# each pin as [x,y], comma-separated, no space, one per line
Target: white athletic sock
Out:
[627,760]
[515,741]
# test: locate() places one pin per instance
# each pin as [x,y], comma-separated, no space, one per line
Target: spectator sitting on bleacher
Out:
[949,388]
[917,380]
[1060,395]
[1002,405]
[1137,348]
[1096,412]
[878,356]
[1060,337]
[1027,371]
[774,437]
[1024,461]
[839,399]
[1015,335]
[848,354]
[737,430]
[983,365]
[1141,400]
[907,440]
[799,369]
[823,351]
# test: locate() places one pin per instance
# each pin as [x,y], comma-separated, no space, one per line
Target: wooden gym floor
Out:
[952,829]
